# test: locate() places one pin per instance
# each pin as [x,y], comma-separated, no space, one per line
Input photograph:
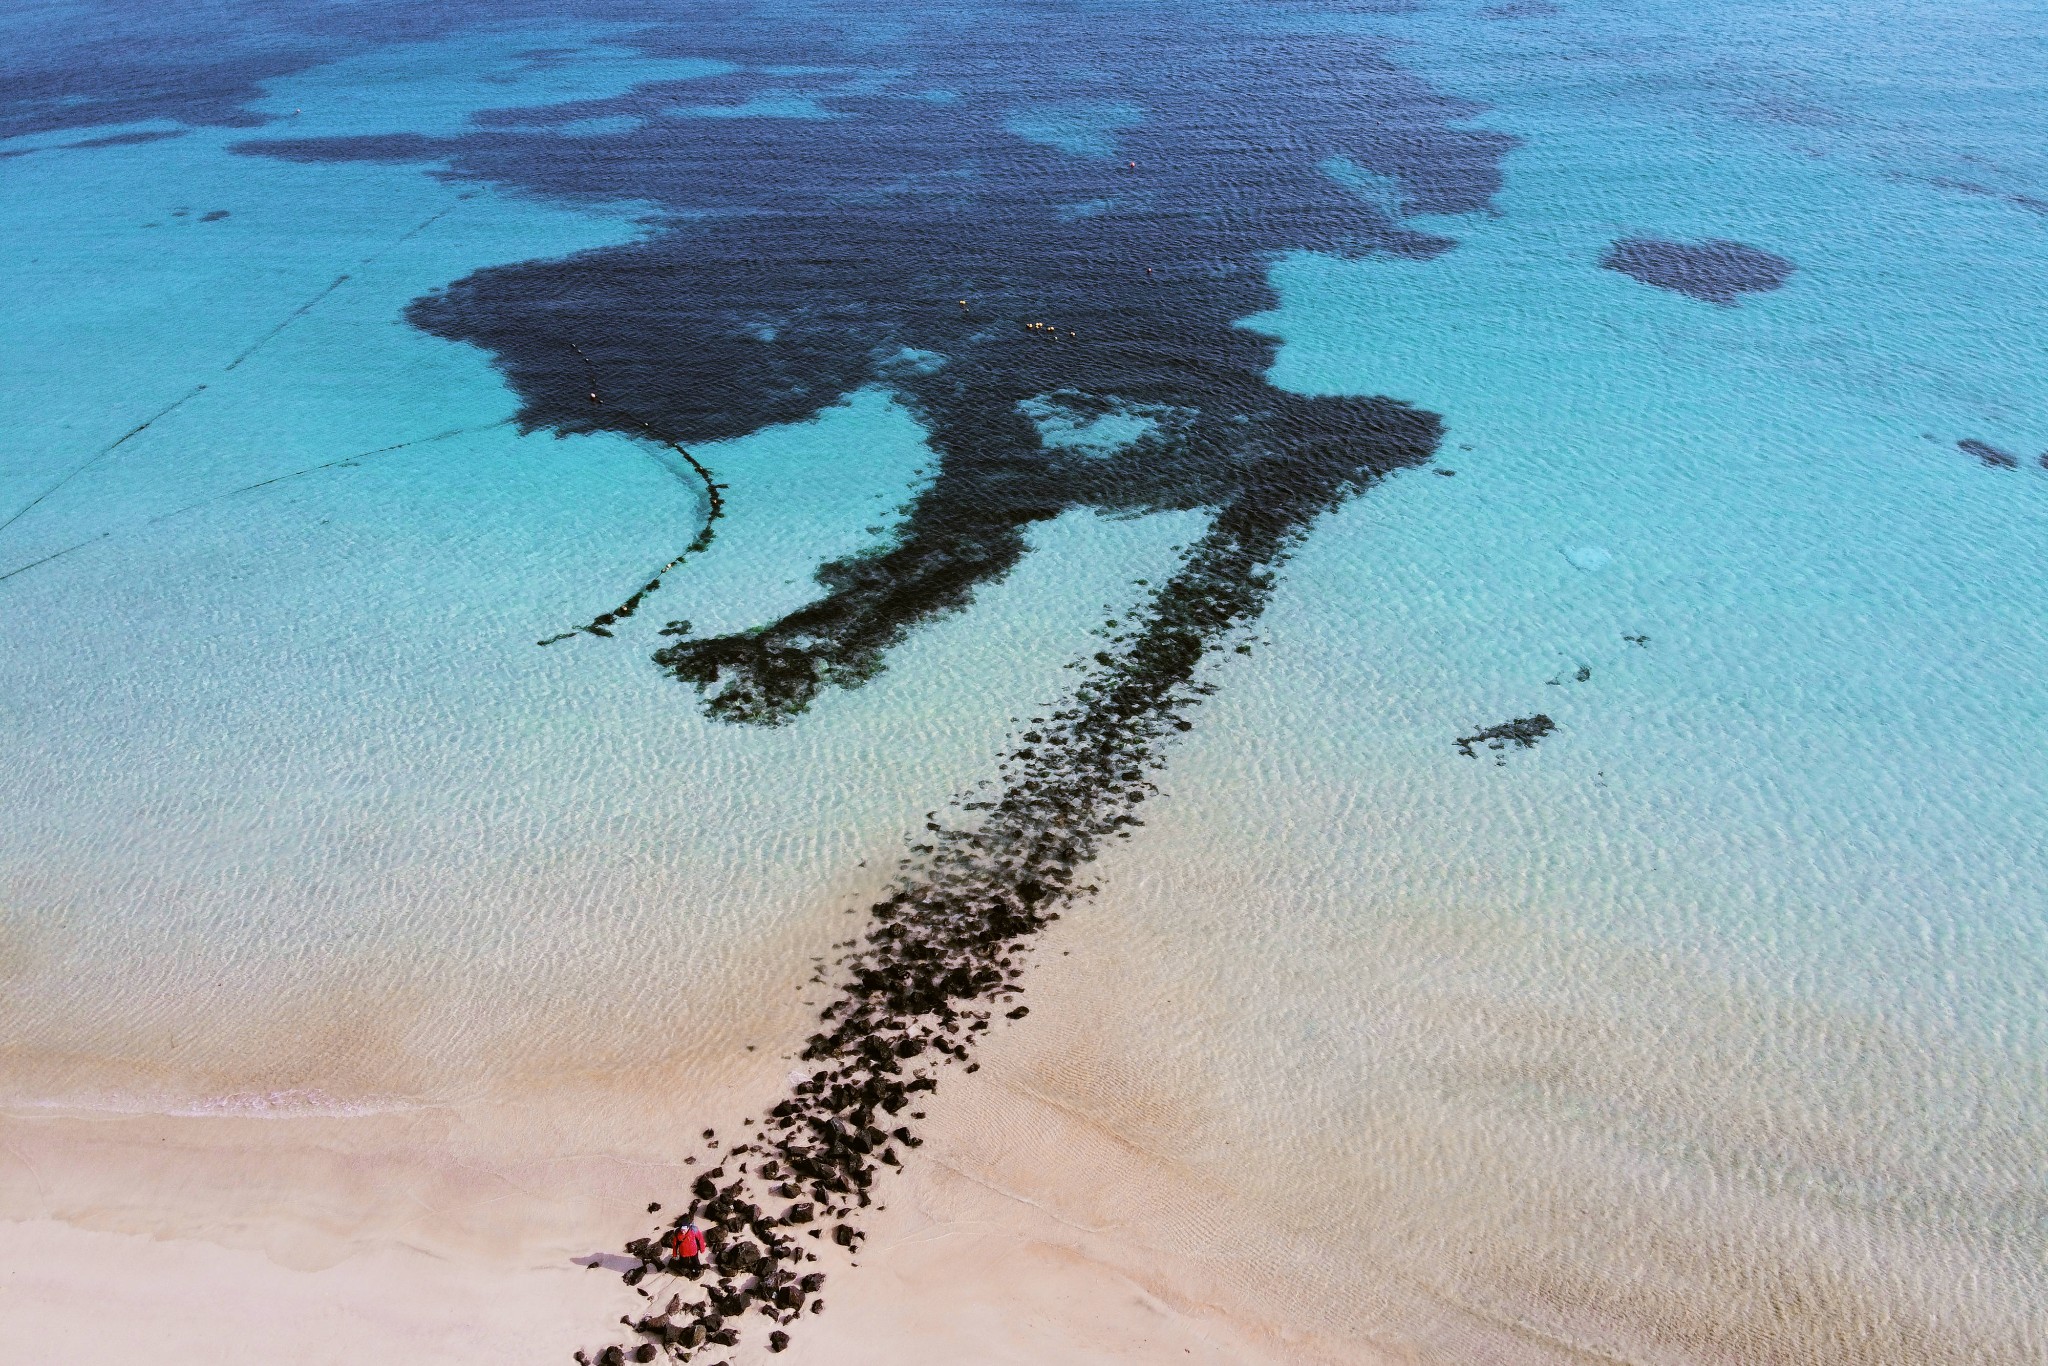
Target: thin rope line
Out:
[102,454]
[600,625]
[265,483]
[53,555]
[249,351]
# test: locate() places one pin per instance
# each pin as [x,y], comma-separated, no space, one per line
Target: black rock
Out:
[644,1352]
[1522,732]
[800,1213]
[777,1340]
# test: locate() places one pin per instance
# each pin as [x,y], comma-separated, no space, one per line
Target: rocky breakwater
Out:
[944,952]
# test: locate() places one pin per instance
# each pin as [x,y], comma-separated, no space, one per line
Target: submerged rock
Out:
[1521,733]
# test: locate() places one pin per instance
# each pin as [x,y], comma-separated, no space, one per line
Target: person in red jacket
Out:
[689,1245]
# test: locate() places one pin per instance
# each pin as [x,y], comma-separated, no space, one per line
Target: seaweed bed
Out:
[1715,271]
[991,255]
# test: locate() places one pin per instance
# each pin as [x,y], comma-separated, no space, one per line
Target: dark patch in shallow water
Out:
[804,258]
[834,247]
[1521,733]
[1988,454]
[1716,270]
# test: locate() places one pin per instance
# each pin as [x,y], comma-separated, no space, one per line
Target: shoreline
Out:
[1075,1200]
[228,1239]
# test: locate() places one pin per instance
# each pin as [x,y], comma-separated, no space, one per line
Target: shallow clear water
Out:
[1708,1028]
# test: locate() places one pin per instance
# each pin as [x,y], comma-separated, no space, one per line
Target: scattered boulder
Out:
[1521,733]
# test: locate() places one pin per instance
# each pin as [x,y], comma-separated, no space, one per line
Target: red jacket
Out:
[689,1243]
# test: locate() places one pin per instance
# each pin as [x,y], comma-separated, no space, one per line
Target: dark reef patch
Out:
[1521,733]
[1716,270]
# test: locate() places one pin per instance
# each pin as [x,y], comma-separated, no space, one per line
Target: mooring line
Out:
[301,311]
[251,350]
[338,281]
[53,555]
[600,625]
[326,465]
[103,453]
[261,484]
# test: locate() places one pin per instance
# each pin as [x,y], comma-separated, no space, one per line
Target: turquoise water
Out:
[1709,1028]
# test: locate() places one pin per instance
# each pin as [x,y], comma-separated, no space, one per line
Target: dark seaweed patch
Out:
[1716,270]
[797,259]
[1521,733]
[834,247]
[126,139]
[1988,454]
[123,61]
